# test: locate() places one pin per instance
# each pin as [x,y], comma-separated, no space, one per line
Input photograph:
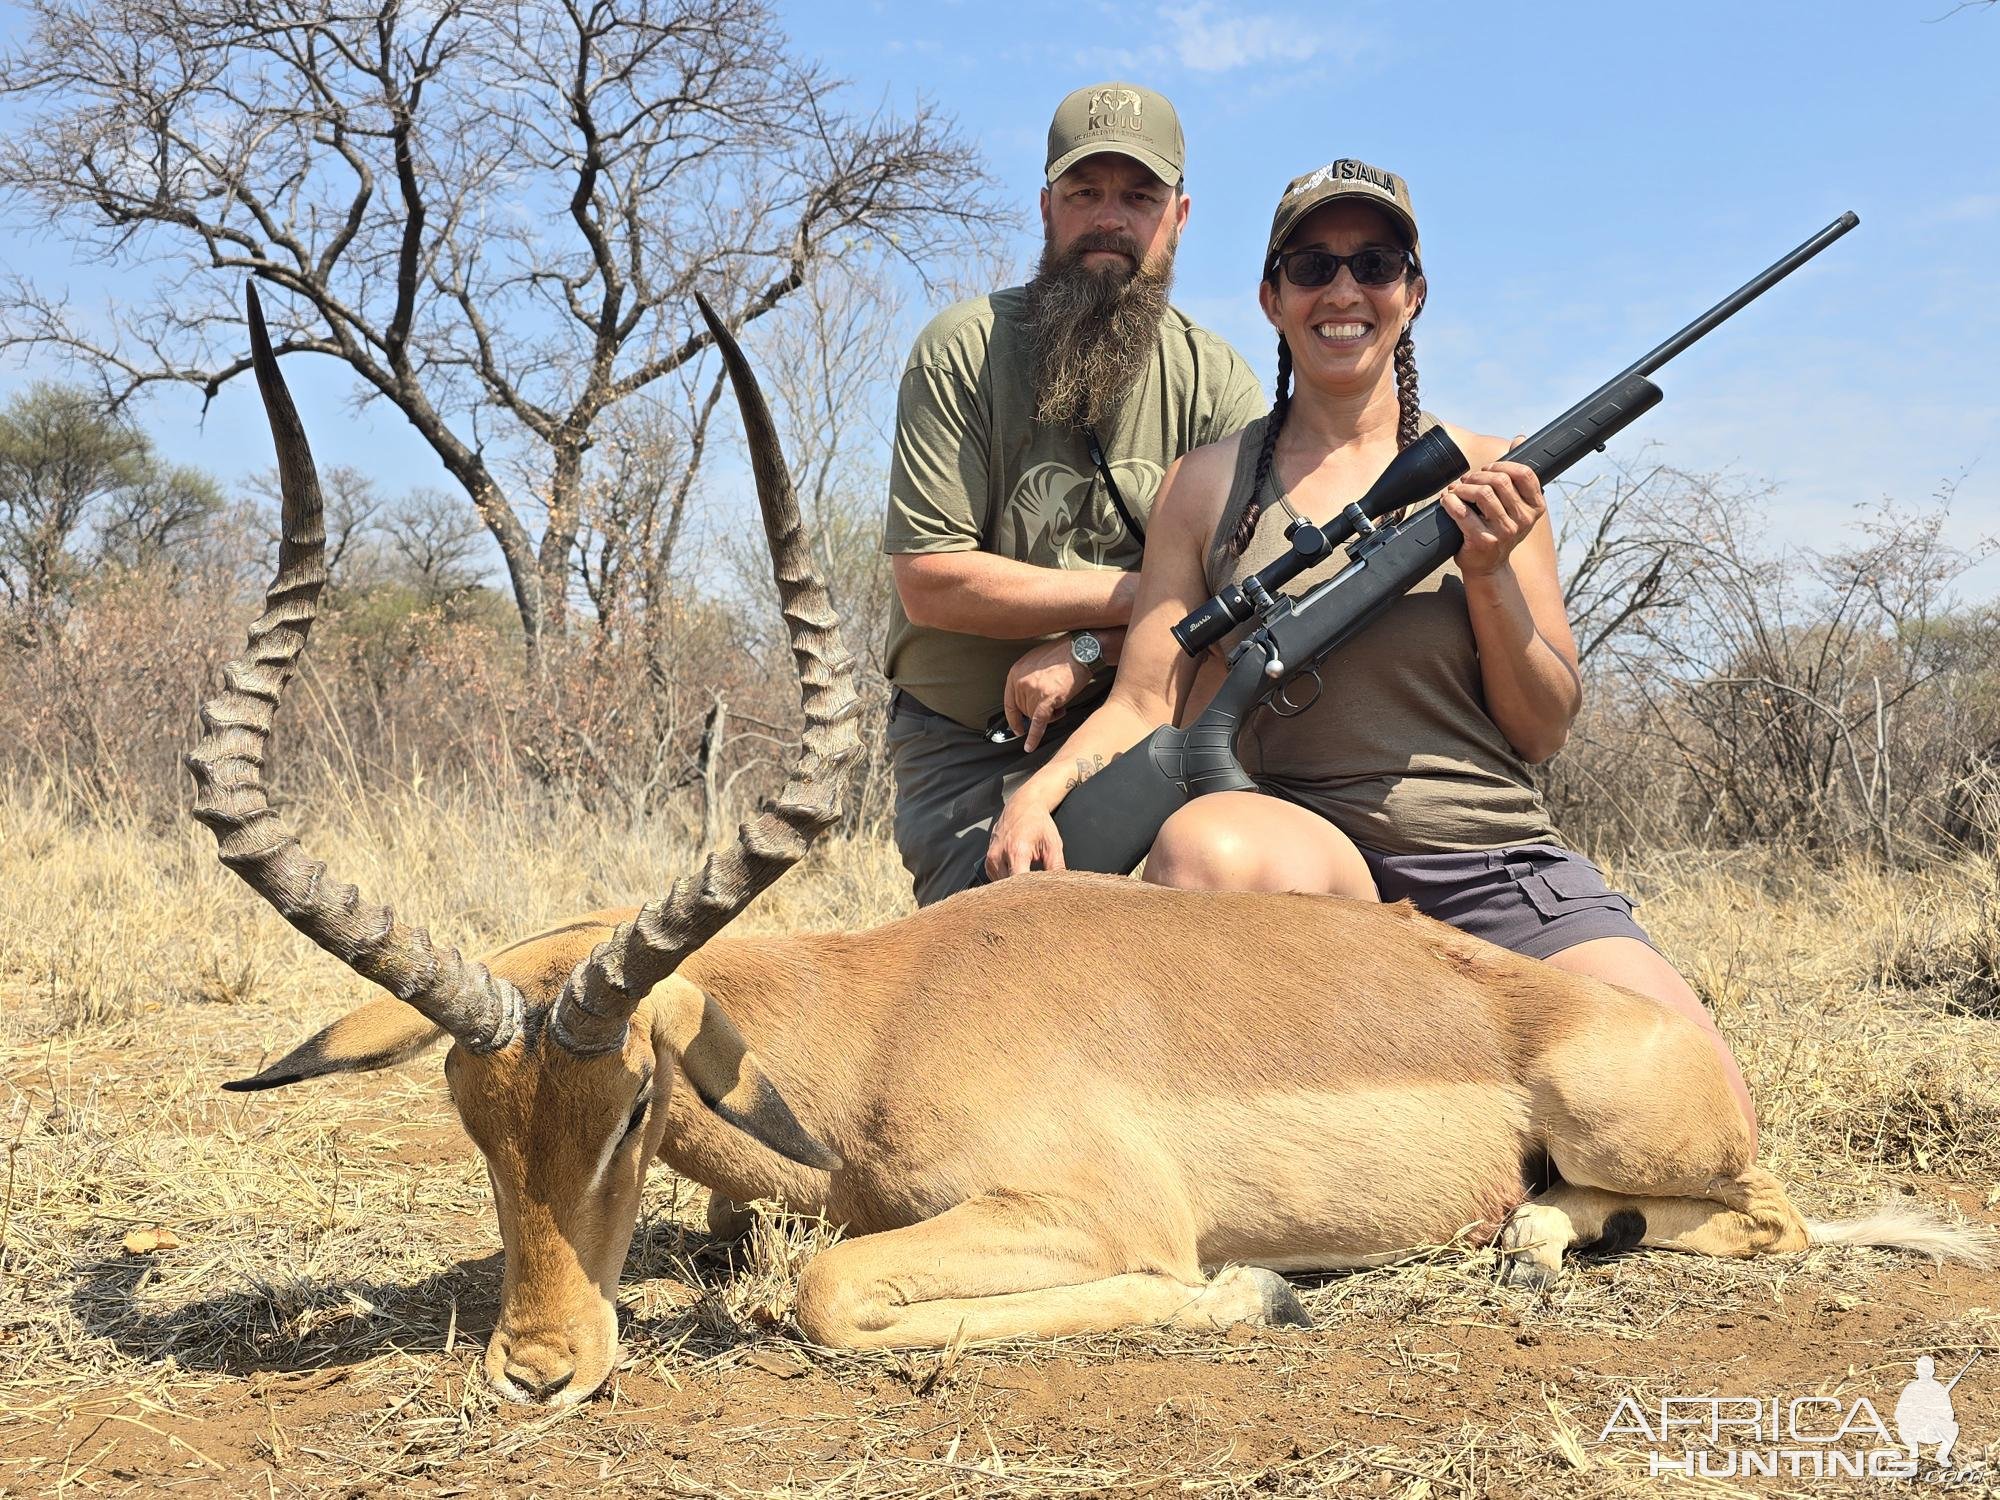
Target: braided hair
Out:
[1409,411]
[1408,418]
[1281,402]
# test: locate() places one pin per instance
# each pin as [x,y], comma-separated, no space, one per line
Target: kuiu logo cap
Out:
[1121,117]
[1346,178]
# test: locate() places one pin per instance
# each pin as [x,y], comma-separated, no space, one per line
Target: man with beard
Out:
[1033,427]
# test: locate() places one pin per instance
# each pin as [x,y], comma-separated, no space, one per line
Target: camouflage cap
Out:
[1119,117]
[1346,178]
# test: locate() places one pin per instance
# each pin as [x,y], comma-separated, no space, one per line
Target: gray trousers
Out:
[950,784]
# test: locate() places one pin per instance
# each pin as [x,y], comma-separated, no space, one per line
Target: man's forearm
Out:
[976,593]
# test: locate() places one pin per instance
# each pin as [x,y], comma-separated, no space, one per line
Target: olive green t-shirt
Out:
[974,471]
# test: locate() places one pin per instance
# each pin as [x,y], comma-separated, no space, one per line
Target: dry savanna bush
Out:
[398,688]
[1742,693]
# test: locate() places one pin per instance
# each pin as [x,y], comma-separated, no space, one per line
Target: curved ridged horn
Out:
[597,1001]
[482,1012]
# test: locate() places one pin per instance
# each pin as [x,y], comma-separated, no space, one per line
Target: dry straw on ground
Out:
[287,1293]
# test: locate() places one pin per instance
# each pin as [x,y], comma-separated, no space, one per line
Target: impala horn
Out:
[482,1012]
[597,1001]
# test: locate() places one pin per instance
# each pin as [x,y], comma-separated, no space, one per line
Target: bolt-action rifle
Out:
[1109,822]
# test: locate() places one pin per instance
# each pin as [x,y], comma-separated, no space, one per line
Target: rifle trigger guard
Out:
[1281,701]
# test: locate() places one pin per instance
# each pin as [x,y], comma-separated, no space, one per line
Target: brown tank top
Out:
[1397,749]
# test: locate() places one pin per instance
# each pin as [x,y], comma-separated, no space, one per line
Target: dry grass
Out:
[318,1325]
[1853,999]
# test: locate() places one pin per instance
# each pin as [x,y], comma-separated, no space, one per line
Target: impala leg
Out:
[1642,1126]
[1008,1265]
[1747,1215]
[1640,969]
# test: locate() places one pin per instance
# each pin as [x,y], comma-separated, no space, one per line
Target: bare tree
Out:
[437,545]
[1778,683]
[636,506]
[1633,547]
[492,211]
[353,507]
[660,588]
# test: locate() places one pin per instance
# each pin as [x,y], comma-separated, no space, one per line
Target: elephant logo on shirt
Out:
[1064,519]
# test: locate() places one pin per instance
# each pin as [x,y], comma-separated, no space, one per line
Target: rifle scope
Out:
[1418,472]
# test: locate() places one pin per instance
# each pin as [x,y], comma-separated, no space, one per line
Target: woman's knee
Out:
[1196,850]
[1636,966]
[1249,842]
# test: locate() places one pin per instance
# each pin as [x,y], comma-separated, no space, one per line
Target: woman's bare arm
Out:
[1527,655]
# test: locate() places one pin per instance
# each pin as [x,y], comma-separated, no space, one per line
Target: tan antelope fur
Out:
[1060,1104]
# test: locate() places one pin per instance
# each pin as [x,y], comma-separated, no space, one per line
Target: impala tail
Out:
[1894,1227]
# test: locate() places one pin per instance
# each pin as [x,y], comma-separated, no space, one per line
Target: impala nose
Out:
[539,1371]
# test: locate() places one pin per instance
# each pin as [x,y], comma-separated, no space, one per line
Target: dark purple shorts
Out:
[1533,898]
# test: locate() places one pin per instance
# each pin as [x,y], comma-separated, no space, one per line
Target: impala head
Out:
[560,1061]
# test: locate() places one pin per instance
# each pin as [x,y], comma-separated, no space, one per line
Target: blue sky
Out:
[1587,176]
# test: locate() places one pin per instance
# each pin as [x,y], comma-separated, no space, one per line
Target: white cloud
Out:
[1973,208]
[1209,38]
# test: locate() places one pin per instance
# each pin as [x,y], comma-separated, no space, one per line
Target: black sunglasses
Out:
[1378,265]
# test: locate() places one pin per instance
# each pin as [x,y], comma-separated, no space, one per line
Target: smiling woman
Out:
[1407,776]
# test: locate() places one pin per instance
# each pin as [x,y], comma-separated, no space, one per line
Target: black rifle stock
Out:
[1109,822]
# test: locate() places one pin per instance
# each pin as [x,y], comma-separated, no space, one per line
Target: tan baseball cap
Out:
[1121,117]
[1346,178]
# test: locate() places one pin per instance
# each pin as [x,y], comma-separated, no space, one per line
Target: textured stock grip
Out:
[1202,757]
[1587,426]
[1109,822]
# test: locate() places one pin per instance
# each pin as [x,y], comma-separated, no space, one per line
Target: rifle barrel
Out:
[1749,292]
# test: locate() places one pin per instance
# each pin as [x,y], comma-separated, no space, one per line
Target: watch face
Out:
[1085,648]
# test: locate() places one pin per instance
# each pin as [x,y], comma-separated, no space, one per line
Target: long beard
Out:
[1092,331]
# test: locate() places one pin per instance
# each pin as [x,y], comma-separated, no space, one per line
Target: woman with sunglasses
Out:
[1406,777]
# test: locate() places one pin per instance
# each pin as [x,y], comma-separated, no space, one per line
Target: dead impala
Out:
[1055,1105]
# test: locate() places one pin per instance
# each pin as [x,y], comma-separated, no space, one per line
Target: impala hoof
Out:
[1531,1246]
[1246,1294]
[1281,1306]
[1521,1271]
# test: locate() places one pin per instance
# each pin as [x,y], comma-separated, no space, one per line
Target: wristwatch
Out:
[1087,651]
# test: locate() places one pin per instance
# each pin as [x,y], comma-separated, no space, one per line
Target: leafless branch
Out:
[493,212]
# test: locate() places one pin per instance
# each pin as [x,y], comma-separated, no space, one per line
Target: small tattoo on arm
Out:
[1085,768]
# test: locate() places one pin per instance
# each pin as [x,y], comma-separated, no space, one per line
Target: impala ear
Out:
[377,1035]
[726,1076]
